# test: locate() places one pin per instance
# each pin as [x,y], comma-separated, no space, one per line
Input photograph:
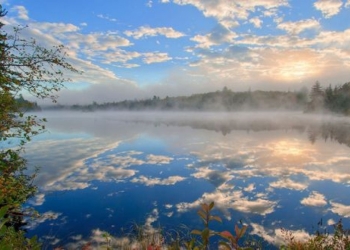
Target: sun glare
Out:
[289,149]
[296,70]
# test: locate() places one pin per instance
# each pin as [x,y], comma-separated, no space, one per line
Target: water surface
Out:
[106,171]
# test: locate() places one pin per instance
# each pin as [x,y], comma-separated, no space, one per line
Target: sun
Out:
[296,70]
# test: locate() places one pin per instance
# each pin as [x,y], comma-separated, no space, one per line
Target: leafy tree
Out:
[25,67]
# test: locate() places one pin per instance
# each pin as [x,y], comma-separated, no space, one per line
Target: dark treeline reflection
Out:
[315,127]
[339,132]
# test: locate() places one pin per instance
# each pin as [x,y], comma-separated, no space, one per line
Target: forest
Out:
[331,99]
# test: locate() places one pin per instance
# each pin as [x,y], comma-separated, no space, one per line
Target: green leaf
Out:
[2,224]
[3,211]
[205,233]
[211,205]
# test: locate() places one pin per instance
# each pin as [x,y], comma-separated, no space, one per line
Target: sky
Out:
[135,49]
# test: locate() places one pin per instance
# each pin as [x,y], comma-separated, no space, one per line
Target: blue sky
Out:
[133,49]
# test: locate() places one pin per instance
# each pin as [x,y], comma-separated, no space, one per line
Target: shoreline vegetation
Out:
[205,238]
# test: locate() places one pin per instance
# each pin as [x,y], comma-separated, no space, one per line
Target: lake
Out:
[107,171]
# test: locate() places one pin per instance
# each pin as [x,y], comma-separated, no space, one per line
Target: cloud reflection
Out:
[172,180]
[230,199]
[315,199]
[341,209]
[247,169]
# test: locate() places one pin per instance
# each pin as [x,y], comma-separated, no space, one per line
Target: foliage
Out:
[206,216]
[25,67]
[142,238]
[232,240]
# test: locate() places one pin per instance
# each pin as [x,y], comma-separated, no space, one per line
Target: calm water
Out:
[106,171]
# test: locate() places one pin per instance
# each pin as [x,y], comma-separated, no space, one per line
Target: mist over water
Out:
[105,170]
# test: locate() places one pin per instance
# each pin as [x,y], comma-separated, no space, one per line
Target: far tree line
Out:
[318,99]
[334,99]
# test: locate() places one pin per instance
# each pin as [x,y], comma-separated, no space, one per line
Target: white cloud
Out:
[228,199]
[146,31]
[347,5]
[107,18]
[278,236]
[49,215]
[218,36]
[257,22]
[328,8]
[289,184]
[22,12]
[315,199]
[172,180]
[330,222]
[341,209]
[250,188]
[227,11]
[217,178]
[299,26]
[38,200]
[158,159]
[155,57]
[149,4]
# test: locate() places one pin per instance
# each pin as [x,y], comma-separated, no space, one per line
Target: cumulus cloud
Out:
[227,12]
[49,215]
[156,57]
[172,180]
[299,26]
[38,200]
[289,184]
[146,31]
[341,209]
[158,159]
[228,199]
[315,199]
[22,12]
[217,36]
[278,236]
[250,188]
[257,22]
[328,8]
[216,177]
[347,5]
